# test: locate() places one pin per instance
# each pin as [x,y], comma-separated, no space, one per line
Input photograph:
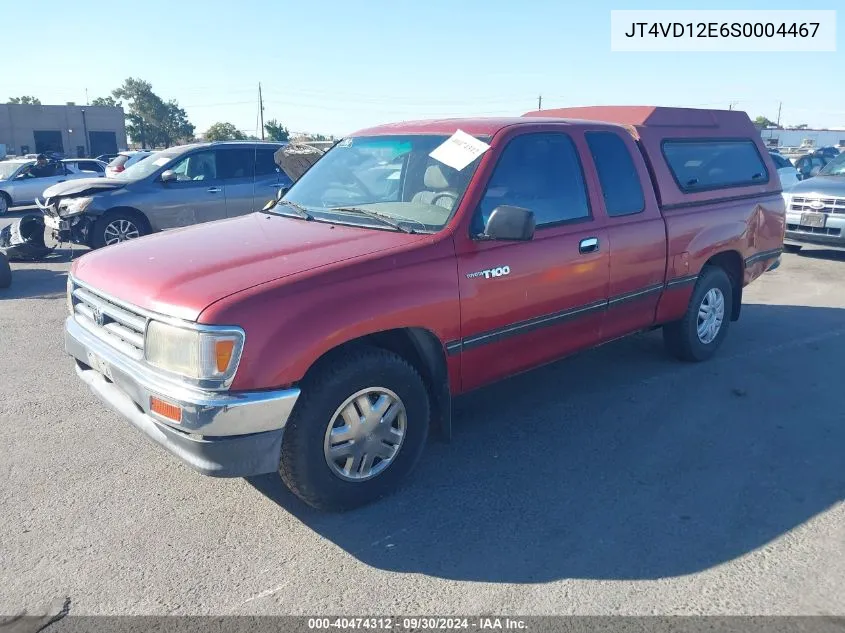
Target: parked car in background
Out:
[810,165]
[324,338]
[829,152]
[19,187]
[176,187]
[125,160]
[787,172]
[107,158]
[815,209]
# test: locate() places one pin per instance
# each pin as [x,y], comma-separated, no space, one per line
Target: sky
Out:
[332,67]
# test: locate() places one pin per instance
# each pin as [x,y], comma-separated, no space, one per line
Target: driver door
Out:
[195,196]
[28,188]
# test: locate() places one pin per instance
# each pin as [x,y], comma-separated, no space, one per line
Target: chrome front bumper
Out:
[223,434]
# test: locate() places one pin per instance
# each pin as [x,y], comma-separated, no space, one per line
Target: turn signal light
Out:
[165,409]
[223,352]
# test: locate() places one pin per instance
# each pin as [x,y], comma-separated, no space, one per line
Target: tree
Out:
[800,126]
[763,122]
[175,124]
[25,100]
[106,101]
[276,131]
[224,132]
[150,119]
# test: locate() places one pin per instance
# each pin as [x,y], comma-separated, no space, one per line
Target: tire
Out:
[682,337]
[5,202]
[123,225]
[5,272]
[792,248]
[305,467]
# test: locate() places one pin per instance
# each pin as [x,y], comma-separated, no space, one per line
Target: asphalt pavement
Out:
[616,481]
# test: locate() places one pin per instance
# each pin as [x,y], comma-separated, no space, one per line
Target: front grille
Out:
[118,326]
[816,230]
[801,204]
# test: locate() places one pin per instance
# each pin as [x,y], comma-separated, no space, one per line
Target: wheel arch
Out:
[425,352]
[132,210]
[734,265]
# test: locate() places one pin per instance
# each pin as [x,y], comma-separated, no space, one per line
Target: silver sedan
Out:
[19,187]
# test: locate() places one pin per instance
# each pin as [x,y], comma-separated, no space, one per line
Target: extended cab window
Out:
[714,164]
[620,182]
[541,173]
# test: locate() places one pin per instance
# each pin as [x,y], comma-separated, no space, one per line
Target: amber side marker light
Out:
[165,409]
[223,351]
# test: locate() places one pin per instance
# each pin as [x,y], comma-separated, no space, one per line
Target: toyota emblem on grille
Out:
[99,319]
[817,204]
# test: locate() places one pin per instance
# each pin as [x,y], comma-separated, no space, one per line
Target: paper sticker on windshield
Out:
[459,150]
[161,161]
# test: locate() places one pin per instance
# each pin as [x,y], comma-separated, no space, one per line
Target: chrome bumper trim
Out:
[212,414]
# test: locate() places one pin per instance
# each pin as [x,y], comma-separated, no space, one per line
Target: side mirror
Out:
[510,223]
[168,175]
[281,191]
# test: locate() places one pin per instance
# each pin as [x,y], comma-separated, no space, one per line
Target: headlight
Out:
[73,206]
[200,355]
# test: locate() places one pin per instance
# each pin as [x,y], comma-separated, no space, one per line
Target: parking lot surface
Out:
[616,481]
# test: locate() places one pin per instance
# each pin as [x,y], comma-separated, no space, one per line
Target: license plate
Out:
[815,220]
[99,365]
[55,223]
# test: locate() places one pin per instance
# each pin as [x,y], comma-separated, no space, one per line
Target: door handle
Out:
[588,245]
[213,190]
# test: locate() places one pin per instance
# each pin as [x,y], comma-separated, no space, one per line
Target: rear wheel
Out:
[117,227]
[358,429]
[5,202]
[700,332]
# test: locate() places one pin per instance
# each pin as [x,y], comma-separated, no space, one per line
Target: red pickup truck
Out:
[325,336]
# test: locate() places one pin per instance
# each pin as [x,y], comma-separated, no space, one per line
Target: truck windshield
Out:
[836,167]
[393,177]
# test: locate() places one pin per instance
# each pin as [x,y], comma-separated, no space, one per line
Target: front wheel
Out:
[114,228]
[5,202]
[358,429]
[700,332]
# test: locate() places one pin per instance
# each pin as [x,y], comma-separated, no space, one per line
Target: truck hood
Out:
[824,186]
[83,185]
[181,272]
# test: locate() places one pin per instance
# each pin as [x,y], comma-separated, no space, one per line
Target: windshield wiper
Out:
[298,208]
[381,217]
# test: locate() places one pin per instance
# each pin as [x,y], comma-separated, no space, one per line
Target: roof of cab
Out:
[725,121]
[482,126]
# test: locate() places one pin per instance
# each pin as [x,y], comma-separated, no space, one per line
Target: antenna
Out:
[540,102]
[261,110]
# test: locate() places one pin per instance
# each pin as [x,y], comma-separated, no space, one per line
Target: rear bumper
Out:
[220,434]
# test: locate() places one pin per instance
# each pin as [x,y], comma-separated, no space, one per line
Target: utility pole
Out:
[540,102]
[780,104]
[261,110]
[86,97]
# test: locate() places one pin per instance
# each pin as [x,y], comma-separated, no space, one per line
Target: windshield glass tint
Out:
[836,167]
[7,169]
[389,175]
[147,166]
